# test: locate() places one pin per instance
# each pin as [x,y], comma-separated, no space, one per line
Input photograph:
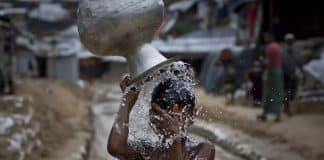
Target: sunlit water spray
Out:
[139,124]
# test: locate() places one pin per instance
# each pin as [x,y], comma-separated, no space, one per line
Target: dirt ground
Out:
[301,133]
[59,124]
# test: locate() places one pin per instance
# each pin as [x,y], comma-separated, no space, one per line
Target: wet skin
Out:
[168,123]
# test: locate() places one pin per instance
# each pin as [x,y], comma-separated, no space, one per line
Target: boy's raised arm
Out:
[117,142]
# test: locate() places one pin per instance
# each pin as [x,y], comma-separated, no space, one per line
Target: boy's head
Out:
[171,92]
[176,98]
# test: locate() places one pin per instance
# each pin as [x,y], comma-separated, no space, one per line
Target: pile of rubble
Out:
[45,120]
[18,128]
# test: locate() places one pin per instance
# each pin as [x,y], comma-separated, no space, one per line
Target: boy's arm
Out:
[117,142]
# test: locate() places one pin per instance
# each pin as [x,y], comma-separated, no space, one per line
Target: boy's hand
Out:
[125,82]
[131,96]
[164,120]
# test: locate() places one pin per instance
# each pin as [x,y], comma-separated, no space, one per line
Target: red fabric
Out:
[274,55]
[226,54]
[251,18]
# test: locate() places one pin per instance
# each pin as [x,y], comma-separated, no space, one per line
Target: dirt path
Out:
[300,135]
[104,107]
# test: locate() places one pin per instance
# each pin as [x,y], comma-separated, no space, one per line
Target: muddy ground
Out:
[300,134]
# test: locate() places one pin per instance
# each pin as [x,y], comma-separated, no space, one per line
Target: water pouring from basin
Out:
[161,90]
[125,28]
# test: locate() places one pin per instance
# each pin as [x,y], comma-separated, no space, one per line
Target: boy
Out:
[173,108]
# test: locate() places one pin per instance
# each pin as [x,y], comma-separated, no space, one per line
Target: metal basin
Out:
[118,27]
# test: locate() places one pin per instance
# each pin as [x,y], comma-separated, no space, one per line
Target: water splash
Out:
[139,125]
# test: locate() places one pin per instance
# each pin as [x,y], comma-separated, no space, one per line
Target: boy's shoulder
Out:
[206,145]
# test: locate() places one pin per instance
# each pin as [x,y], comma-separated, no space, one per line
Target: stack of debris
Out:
[18,128]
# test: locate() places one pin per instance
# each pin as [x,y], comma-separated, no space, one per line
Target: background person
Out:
[255,76]
[272,96]
[291,66]
[229,80]
[7,54]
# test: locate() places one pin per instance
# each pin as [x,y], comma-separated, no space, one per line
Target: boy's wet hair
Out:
[171,92]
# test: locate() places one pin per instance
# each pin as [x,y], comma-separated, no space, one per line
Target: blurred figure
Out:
[7,54]
[272,96]
[291,65]
[229,82]
[255,76]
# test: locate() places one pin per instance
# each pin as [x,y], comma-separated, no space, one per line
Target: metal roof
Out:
[201,41]
[194,45]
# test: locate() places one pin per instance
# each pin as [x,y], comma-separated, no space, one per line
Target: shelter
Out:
[56,56]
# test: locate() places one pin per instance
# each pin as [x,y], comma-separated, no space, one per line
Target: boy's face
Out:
[171,121]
